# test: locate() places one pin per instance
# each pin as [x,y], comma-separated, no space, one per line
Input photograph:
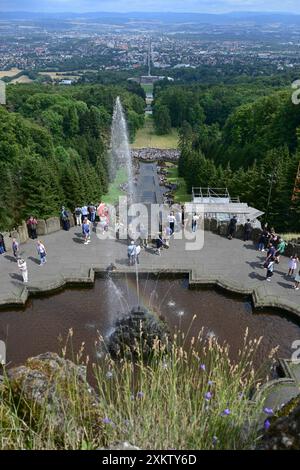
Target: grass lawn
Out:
[146,137]
[181,195]
[112,197]
[148,87]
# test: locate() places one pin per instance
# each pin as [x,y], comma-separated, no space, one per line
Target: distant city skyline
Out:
[180,6]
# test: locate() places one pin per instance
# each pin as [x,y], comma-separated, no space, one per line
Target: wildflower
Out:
[109,375]
[165,365]
[210,382]
[106,420]
[267,424]
[268,411]
[202,366]
[226,412]
[208,396]
[214,440]
[140,395]
[131,397]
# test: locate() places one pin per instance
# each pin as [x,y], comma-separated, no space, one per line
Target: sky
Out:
[202,6]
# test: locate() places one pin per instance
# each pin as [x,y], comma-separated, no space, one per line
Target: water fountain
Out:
[120,149]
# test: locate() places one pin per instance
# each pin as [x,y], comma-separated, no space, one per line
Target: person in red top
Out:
[32,225]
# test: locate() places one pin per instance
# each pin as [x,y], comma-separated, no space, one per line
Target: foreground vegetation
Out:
[177,400]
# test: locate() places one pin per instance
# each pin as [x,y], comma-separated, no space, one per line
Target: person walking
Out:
[78,213]
[2,244]
[86,231]
[84,213]
[297,281]
[42,252]
[247,231]
[271,253]
[31,226]
[280,250]
[182,216]
[159,244]
[15,248]
[263,241]
[293,263]
[270,268]
[22,265]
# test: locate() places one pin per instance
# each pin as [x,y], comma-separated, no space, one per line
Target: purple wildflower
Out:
[208,396]
[267,424]
[226,412]
[268,411]
[109,375]
[106,420]
[210,382]
[202,366]
[140,394]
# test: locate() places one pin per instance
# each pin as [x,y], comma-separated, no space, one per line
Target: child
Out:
[42,252]
[86,231]
[22,265]
[297,281]
[293,263]
[270,268]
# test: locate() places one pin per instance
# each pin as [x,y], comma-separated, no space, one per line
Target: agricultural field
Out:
[9,73]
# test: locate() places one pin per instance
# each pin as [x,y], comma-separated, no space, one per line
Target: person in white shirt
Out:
[195,219]
[172,220]
[137,252]
[22,265]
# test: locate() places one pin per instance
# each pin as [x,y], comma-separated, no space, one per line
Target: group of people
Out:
[21,262]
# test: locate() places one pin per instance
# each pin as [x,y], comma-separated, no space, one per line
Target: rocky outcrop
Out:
[284,432]
[139,328]
[45,387]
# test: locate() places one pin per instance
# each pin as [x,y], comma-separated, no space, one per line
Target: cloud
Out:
[212,6]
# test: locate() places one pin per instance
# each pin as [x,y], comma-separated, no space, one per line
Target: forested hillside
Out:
[54,147]
[243,137]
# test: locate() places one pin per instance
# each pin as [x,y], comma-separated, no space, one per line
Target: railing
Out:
[214,193]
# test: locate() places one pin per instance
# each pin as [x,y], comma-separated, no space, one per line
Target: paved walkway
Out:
[233,265]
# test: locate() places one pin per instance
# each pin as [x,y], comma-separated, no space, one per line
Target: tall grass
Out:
[180,399]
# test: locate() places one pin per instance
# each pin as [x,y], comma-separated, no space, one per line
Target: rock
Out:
[53,224]
[23,233]
[138,327]
[46,382]
[284,433]
[41,228]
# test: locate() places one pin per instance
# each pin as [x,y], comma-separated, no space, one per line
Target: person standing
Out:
[84,213]
[159,244]
[22,265]
[232,227]
[131,252]
[42,252]
[293,263]
[15,248]
[2,244]
[172,220]
[65,219]
[31,226]
[271,252]
[263,240]
[280,249]
[92,213]
[78,213]
[182,216]
[247,230]
[86,231]
[195,219]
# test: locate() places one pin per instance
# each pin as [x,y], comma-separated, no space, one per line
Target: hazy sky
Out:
[211,6]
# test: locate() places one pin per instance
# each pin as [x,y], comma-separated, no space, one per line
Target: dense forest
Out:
[242,136]
[54,146]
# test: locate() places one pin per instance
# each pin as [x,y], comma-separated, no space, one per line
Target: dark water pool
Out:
[43,325]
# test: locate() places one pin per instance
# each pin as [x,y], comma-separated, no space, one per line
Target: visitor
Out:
[182,216]
[15,248]
[247,231]
[64,215]
[31,226]
[297,281]
[232,227]
[280,250]
[270,268]
[86,231]
[293,263]
[172,220]
[92,213]
[84,213]
[42,252]
[195,219]
[78,214]
[137,253]
[2,244]
[22,265]
[263,241]
[167,235]
[271,253]
[159,244]
[100,209]
[131,252]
